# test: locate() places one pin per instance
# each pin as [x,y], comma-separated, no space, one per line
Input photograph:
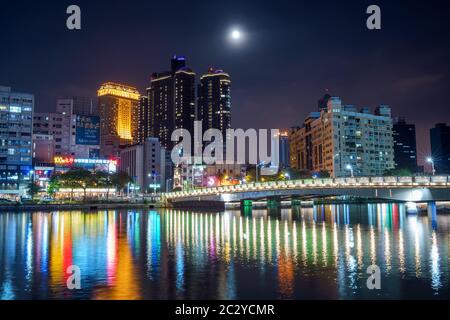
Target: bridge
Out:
[419,189]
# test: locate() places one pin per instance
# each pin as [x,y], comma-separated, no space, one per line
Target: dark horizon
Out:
[293,53]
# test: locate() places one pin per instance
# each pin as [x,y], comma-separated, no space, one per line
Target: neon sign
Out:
[64,160]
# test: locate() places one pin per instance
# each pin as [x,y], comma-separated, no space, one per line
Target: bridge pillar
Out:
[246,207]
[274,202]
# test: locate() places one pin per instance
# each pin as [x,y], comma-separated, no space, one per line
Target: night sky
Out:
[293,52]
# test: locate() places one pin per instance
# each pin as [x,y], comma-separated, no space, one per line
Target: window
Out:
[15,109]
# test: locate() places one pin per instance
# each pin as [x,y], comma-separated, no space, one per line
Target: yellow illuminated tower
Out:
[118,107]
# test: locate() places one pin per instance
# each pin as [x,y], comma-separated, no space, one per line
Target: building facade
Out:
[440,147]
[342,141]
[43,149]
[405,147]
[117,107]
[171,97]
[73,134]
[285,151]
[149,166]
[144,119]
[214,101]
[16,131]
[58,124]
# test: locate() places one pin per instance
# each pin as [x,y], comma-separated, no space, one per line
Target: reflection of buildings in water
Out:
[286,275]
[315,239]
[335,238]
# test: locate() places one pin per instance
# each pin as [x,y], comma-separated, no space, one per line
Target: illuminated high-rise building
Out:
[118,110]
[144,120]
[214,100]
[171,98]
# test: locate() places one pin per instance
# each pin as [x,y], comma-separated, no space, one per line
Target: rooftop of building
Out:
[119,90]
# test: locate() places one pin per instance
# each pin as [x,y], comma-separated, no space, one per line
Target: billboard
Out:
[87,130]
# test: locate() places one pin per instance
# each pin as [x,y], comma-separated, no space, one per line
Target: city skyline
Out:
[221,159]
[401,65]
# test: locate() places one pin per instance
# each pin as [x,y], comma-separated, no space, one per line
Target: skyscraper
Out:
[16,130]
[440,147]
[117,106]
[171,98]
[214,100]
[144,119]
[405,150]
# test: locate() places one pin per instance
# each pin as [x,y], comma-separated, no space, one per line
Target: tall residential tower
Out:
[171,97]
[214,100]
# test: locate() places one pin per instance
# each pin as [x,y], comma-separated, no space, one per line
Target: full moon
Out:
[236,34]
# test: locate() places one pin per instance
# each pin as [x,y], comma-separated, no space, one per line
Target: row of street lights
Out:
[429,160]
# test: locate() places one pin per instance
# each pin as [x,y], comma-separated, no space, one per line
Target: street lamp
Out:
[257,167]
[430,160]
[287,176]
[349,167]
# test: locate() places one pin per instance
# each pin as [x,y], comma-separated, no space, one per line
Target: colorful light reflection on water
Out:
[300,253]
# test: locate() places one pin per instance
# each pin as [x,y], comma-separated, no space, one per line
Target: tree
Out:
[103,180]
[33,189]
[324,174]
[77,178]
[54,184]
[399,172]
[120,180]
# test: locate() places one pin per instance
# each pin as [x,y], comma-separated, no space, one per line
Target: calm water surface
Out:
[309,253]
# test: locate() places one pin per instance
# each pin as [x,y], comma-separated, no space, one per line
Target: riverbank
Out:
[76,206]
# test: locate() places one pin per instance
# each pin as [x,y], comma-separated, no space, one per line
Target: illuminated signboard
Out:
[64,160]
[87,130]
[100,164]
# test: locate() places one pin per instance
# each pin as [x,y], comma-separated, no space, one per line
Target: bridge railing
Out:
[417,181]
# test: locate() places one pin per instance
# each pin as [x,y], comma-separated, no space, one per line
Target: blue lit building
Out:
[16,128]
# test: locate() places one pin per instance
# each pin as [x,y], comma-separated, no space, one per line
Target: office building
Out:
[343,141]
[405,150]
[214,101]
[117,107]
[73,134]
[148,164]
[16,131]
[58,124]
[440,148]
[43,149]
[172,101]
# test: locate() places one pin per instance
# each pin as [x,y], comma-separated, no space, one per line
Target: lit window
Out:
[15,109]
